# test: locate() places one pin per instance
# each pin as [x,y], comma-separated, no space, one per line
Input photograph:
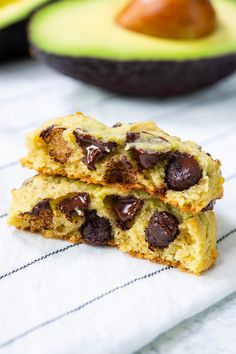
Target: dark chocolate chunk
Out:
[41,207]
[145,137]
[210,206]
[97,230]
[182,172]
[120,171]
[72,205]
[46,134]
[57,147]
[147,159]
[132,137]
[94,150]
[126,209]
[40,218]
[163,229]
[117,125]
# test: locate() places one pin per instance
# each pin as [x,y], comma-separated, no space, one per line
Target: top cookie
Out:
[128,156]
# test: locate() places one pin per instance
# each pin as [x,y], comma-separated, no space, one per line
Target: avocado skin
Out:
[143,78]
[13,41]
[13,38]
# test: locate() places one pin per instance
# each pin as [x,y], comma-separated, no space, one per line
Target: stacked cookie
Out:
[132,186]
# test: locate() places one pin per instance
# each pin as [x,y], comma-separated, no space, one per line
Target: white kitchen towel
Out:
[68,299]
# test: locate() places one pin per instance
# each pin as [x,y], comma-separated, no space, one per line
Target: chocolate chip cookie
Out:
[131,220]
[127,156]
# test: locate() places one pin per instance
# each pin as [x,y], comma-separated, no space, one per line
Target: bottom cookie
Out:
[135,223]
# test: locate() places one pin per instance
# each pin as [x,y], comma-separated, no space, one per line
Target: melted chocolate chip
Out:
[73,204]
[97,230]
[94,150]
[182,172]
[126,209]
[41,207]
[163,229]
[210,206]
[147,159]
[120,171]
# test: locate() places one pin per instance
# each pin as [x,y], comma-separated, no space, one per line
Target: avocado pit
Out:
[171,19]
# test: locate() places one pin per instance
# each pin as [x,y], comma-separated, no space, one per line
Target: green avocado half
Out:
[80,38]
[13,21]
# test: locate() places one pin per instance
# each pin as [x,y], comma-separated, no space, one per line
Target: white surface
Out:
[132,314]
[210,332]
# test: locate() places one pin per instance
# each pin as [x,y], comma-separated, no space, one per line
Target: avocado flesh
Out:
[81,39]
[86,28]
[14,16]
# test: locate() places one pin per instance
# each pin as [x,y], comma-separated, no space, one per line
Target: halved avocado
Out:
[82,39]
[13,20]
